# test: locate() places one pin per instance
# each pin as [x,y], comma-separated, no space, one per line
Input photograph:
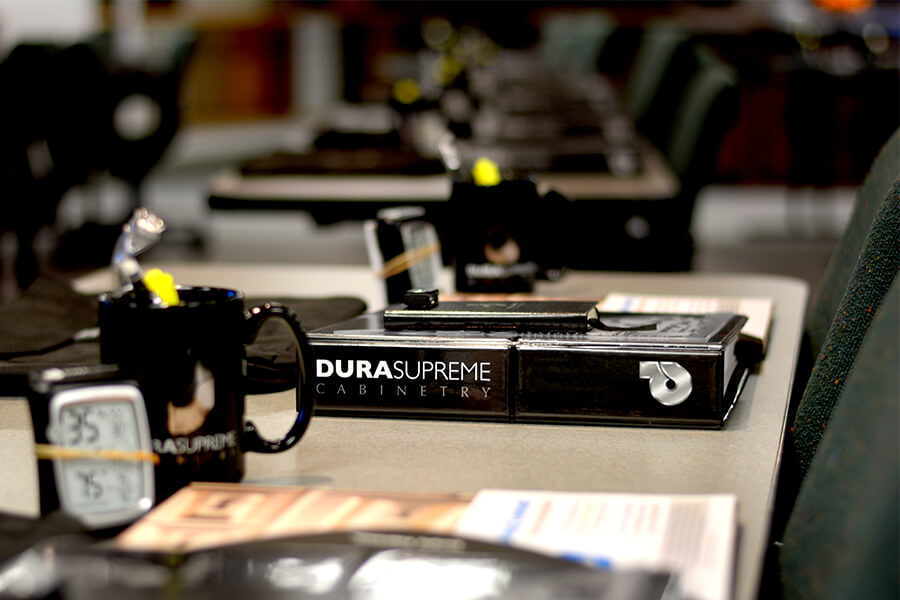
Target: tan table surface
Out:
[382,454]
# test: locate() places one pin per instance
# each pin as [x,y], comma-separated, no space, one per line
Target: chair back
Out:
[574,41]
[884,172]
[841,540]
[872,275]
[707,109]
[859,273]
[660,69]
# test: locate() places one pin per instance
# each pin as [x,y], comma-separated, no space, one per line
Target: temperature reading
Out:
[102,471]
[81,429]
[92,489]
[97,482]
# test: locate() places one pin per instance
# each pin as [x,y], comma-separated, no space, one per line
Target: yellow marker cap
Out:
[406,91]
[163,285]
[485,172]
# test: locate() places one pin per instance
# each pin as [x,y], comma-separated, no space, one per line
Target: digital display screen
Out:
[93,485]
[102,466]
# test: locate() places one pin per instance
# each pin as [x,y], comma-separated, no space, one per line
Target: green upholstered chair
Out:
[881,176]
[871,276]
[683,99]
[862,268]
[707,108]
[574,41]
[699,108]
[842,538]
[657,78]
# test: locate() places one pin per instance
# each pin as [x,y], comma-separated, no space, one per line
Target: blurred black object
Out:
[71,112]
[18,533]
[47,143]
[335,566]
[840,109]
[144,115]
[506,236]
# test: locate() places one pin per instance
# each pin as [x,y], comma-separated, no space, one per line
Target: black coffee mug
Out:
[189,361]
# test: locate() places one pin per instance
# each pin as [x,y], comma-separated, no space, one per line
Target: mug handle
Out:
[254,319]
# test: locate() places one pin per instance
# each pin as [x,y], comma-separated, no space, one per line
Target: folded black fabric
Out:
[19,533]
[44,318]
[316,312]
[272,358]
[38,330]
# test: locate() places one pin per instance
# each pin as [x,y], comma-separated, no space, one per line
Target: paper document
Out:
[206,515]
[692,535]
